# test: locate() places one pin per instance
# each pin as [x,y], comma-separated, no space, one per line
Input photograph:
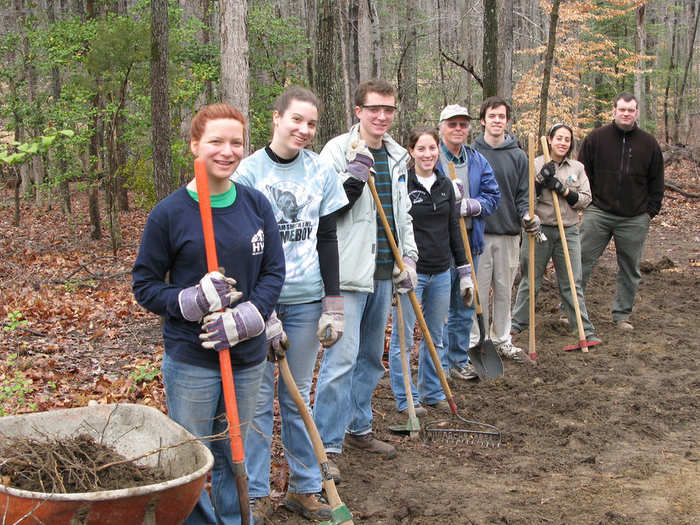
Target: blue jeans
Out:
[300,322]
[195,401]
[455,335]
[351,368]
[433,294]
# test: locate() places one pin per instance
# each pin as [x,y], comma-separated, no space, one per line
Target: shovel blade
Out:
[486,360]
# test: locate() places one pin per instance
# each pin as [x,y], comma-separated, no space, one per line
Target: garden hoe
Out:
[412,427]
[340,513]
[583,344]
[200,173]
[483,356]
[481,433]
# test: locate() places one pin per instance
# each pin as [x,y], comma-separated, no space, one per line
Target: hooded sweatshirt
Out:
[510,166]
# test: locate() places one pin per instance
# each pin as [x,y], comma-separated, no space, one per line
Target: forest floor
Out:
[604,437]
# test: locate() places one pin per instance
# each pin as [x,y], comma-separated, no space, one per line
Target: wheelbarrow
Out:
[132,430]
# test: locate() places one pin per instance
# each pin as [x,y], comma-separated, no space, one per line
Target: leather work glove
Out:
[554,184]
[228,328]
[547,171]
[466,285]
[279,343]
[359,159]
[332,321]
[408,279]
[531,225]
[469,208]
[214,292]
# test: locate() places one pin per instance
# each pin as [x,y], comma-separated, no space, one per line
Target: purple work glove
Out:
[531,225]
[332,322]
[214,292]
[459,190]
[405,280]
[279,343]
[359,159]
[228,328]
[466,285]
[469,208]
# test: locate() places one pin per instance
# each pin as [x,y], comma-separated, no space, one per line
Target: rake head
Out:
[582,345]
[480,434]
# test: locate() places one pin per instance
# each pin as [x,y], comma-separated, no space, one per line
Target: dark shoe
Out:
[442,406]
[515,331]
[420,411]
[311,506]
[464,373]
[371,444]
[333,469]
[623,324]
[262,510]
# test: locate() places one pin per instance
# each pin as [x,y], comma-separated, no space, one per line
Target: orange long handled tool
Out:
[200,174]
[583,344]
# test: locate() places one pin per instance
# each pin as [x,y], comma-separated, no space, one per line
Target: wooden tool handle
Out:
[531,244]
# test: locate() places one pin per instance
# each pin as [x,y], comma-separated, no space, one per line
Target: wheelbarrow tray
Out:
[132,430]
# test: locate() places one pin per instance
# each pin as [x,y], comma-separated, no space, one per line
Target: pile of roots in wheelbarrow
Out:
[76,464]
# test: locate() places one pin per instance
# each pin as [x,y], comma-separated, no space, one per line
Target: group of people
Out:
[308,262]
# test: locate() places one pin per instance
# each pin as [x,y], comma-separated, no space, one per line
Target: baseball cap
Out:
[454,110]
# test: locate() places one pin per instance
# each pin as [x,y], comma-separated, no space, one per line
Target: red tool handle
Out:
[202,180]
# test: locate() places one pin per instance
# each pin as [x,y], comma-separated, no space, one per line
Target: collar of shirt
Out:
[451,156]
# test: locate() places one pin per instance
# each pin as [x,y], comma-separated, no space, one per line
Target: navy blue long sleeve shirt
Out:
[248,247]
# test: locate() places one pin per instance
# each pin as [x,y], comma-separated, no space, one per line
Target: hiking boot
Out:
[442,406]
[371,444]
[311,506]
[623,324]
[508,350]
[464,373]
[420,411]
[333,469]
[262,510]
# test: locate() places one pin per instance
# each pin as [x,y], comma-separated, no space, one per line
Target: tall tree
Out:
[407,73]
[505,49]
[376,69]
[160,100]
[547,73]
[640,48]
[490,60]
[680,99]
[233,32]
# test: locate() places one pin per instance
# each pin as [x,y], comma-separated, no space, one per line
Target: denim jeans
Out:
[552,248]
[300,322]
[195,401]
[455,335]
[597,228]
[433,294]
[351,368]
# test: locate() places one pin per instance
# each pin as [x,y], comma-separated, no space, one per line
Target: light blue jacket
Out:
[357,228]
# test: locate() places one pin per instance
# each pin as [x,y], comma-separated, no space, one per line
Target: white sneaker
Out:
[508,350]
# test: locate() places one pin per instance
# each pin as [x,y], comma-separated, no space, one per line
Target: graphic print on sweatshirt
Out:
[258,243]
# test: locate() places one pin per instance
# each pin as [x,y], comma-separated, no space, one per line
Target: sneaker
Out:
[262,510]
[442,406]
[333,469]
[311,506]
[508,350]
[515,331]
[623,324]
[420,411]
[464,373]
[371,444]
[592,338]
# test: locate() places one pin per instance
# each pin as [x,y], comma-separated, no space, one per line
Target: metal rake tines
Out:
[481,434]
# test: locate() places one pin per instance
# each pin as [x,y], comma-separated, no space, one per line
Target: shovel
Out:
[412,427]
[583,344]
[483,356]
[234,425]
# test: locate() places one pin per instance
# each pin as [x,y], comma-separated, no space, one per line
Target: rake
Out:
[482,434]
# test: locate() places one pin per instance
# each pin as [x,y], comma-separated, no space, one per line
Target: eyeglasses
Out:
[453,124]
[377,109]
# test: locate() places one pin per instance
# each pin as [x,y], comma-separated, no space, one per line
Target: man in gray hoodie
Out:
[499,261]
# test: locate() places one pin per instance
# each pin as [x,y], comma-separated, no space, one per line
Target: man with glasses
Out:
[626,172]
[351,369]
[477,196]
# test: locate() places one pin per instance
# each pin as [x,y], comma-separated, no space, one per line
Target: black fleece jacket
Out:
[435,226]
[625,169]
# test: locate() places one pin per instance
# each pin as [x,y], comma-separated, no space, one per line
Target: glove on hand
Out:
[459,190]
[554,184]
[279,343]
[359,159]
[469,208]
[547,171]
[228,328]
[531,225]
[466,285]
[213,293]
[332,322]
[408,279]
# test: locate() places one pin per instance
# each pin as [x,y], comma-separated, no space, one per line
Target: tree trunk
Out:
[640,49]
[467,55]
[671,70]
[160,101]
[547,73]
[376,70]
[353,48]
[233,24]
[345,67]
[95,148]
[490,57]
[408,73]
[505,49]
[680,99]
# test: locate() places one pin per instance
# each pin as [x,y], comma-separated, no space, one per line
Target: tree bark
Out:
[505,49]
[548,59]
[640,49]
[353,47]
[490,55]
[160,100]
[671,70]
[680,99]
[233,32]
[343,20]
[376,70]
[407,73]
